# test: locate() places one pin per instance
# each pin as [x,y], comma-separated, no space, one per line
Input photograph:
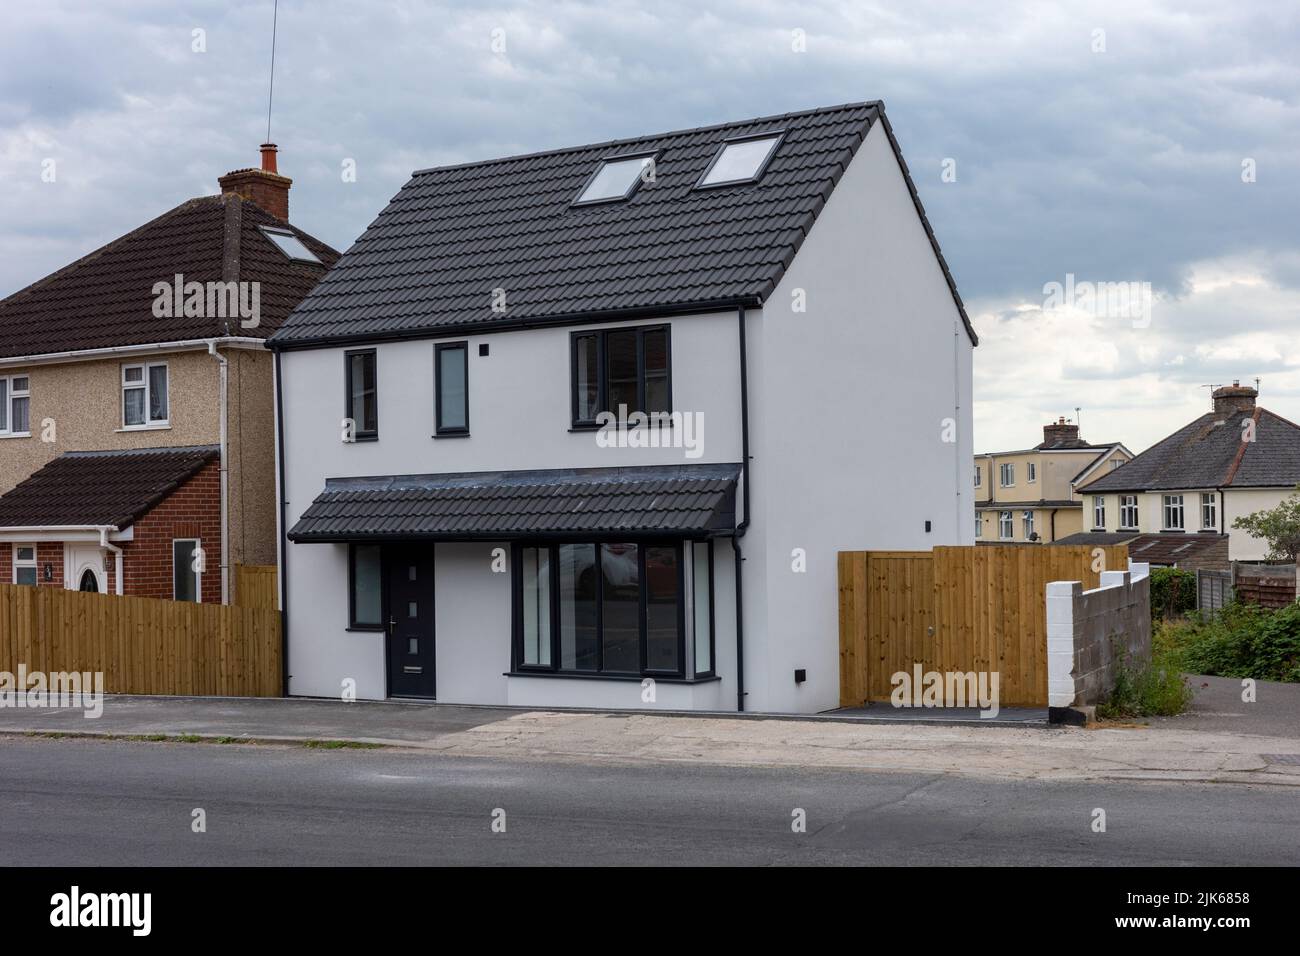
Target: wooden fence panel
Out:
[955,609]
[142,646]
[257,585]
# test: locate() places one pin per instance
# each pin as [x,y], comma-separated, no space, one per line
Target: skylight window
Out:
[616,179]
[740,161]
[290,245]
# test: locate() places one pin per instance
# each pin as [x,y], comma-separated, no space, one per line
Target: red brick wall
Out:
[47,552]
[192,511]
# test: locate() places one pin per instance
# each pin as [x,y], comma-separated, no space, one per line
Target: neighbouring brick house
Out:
[137,401]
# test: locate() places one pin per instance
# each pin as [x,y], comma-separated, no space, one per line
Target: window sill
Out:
[156,427]
[1126,529]
[365,630]
[16,435]
[571,675]
[450,435]
[361,439]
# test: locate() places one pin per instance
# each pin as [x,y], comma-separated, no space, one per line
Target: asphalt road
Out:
[81,802]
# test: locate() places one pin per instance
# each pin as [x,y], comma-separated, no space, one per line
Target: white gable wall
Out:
[847,407]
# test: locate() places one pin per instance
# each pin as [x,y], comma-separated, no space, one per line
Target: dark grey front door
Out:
[410,622]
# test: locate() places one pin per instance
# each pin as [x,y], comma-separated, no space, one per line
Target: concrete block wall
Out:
[1089,633]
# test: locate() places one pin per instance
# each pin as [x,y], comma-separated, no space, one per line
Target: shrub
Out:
[1173,592]
[1154,689]
[1241,640]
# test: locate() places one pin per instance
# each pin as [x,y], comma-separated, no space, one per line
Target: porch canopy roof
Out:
[100,489]
[591,503]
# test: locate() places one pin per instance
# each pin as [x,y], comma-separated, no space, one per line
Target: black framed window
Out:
[612,608]
[702,607]
[361,394]
[365,587]
[452,398]
[631,368]
[186,576]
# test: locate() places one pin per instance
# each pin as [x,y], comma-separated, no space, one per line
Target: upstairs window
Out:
[740,161]
[1173,512]
[620,368]
[616,179]
[452,401]
[1007,475]
[978,473]
[1209,511]
[1128,512]
[15,399]
[1031,472]
[290,245]
[362,394]
[144,395]
[1099,512]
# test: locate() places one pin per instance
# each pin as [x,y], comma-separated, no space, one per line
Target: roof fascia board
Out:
[119,351]
[58,532]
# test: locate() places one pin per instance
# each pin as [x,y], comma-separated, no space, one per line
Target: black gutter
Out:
[282,534]
[461,329]
[744,522]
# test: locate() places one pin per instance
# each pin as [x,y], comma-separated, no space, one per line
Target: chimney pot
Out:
[268,157]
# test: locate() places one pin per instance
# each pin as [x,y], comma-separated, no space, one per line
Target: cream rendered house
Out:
[1031,495]
[1234,460]
[137,425]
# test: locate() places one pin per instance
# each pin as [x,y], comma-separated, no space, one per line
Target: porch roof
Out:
[109,489]
[664,500]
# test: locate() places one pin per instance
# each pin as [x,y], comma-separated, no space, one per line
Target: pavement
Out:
[75,802]
[1256,747]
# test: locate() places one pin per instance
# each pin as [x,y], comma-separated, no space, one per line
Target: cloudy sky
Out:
[1114,142]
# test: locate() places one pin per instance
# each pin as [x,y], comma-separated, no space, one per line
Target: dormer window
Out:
[616,179]
[740,160]
[290,245]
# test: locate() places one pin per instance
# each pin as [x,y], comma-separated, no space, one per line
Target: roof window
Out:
[740,160]
[290,245]
[616,179]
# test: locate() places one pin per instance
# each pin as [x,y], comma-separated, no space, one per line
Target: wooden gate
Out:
[978,608]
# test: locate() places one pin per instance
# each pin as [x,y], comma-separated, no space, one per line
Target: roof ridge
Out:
[153,450]
[625,140]
[105,248]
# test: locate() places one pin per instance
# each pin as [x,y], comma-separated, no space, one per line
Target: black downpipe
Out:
[284,540]
[744,521]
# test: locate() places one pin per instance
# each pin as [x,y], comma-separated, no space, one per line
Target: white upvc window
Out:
[1173,508]
[1099,512]
[979,476]
[25,564]
[1128,512]
[145,395]
[979,524]
[1004,525]
[15,405]
[1007,474]
[1028,519]
[1031,472]
[1209,511]
[1115,463]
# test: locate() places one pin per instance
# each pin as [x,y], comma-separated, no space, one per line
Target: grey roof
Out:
[430,262]
[1209,453]
[595,502]
[1164,548]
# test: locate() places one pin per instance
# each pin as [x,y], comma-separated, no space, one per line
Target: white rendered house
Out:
[460,520]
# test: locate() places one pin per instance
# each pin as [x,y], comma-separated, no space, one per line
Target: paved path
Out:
[1177,750]
[81,802]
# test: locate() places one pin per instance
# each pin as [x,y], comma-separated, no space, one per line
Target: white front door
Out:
[83,568]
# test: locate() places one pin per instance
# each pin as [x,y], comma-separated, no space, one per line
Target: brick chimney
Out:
[1060,432]
[1234,398]
[265,186]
